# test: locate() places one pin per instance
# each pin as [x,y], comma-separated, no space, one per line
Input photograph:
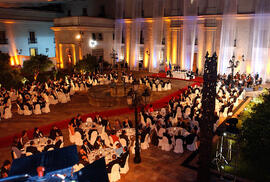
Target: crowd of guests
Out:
[36,97]
[241,80]
[20,149]
[107,138]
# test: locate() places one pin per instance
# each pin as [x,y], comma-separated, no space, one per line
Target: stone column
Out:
[174,44]
[201,47]
[127,40]
[168,41]
[148,50]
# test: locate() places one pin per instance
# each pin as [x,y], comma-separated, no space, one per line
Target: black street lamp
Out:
[114,56]
[134,100]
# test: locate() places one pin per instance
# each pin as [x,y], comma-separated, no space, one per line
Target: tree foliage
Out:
[255,136]
[9,76]
[89,63]
[36,65]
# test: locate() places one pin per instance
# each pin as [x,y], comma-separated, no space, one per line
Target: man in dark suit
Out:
[32,148]
[114,161]
[87,148]
[127,123]
[55,132]
[50,145]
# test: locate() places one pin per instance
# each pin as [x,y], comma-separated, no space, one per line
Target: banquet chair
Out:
[28,154]
[169,86]
[71,137]
[15,153]
[178,148]
[154,88]
[193,146]
[165,88]
[20,111]
[52,100]
[26,111]
[145,144]
[77,87]
[37,109]
[125,169]
[46,109]
[159,88]
[50,149]
[123,142]
[94,135]
[165,144]
[77,167]
[78,139]
[68,97]
[115,173]
[8,113]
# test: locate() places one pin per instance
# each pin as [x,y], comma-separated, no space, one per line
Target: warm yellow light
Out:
[78,36]
[174,47]
[127,44]
[74,54]
[61,56]
[13,50]
[146,59]
[12,61]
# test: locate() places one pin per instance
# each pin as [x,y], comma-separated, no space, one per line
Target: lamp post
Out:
[134,100]
[114,56]
[234,64]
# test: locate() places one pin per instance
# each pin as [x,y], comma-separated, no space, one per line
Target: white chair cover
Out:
[37,109]
[123,142]
[165,144]
[78,139]
[26,111]
[46,109]
[159,88]
[71,137]
[94,135]
[125,169]
[8,113]
[115,173]
[178,146]
[154,88]
[20,112]
[145,144]
[193,146]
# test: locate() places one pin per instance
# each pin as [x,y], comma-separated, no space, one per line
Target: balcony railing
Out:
[3,41]
[32,41]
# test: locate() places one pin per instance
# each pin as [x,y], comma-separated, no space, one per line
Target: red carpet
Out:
[7,141]
[163,75]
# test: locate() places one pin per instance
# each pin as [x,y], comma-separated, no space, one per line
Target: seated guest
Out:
[24,138]
[119,149]
[83,159]
[5,169]
[17,143]
[151,108]
[127,123]
[124,136]
[55,132]
[37,133]
[110,165]
[86,147]
[97,119]
[99,143]
[78,120]
[58,142]
[32,149]
[114,137]
[104,122]
[49,145]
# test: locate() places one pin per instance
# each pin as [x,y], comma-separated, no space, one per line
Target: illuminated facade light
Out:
[78,36]
[92,43]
